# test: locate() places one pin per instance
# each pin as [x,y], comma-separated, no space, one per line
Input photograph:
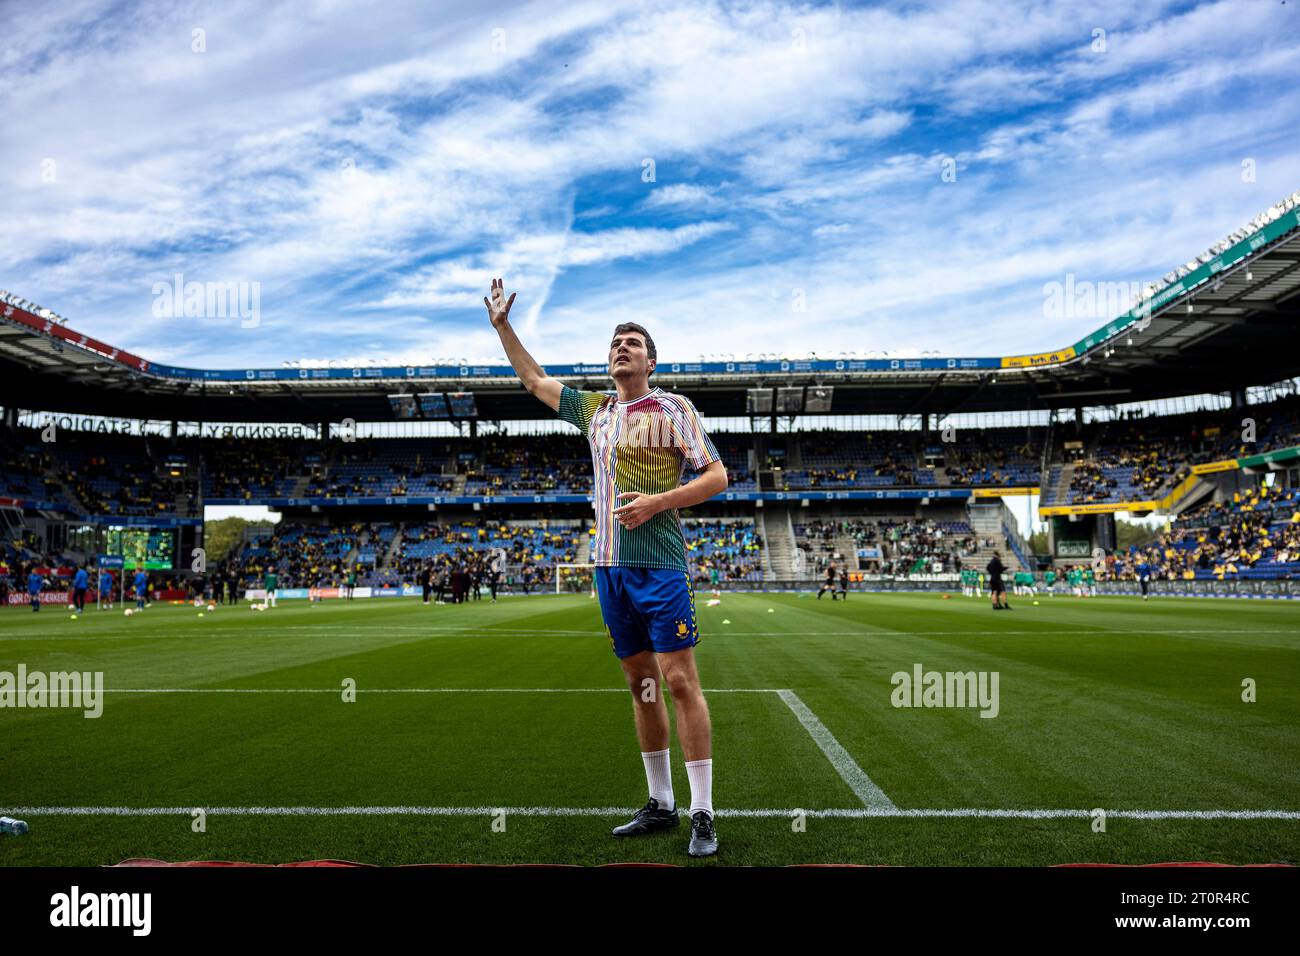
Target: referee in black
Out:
[997,589]
[424,581]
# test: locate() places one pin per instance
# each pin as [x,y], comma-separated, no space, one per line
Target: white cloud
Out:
[367,164]
[692,197]
[530,262]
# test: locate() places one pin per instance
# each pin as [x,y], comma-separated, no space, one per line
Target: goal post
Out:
[575,578]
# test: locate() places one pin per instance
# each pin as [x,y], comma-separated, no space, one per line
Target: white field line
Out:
[467,630]
[854,813]
[844,764]
[876,803]
[412,690]
[863,631]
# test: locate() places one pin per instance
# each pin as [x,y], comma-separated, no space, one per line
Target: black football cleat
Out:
[649,819]
[704,839]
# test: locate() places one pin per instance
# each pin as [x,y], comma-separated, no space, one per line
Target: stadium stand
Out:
[905,503]
[1255,535]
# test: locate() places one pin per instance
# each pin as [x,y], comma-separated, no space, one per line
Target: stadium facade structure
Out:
[1224,322]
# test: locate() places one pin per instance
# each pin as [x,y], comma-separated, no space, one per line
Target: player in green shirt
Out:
[270,581]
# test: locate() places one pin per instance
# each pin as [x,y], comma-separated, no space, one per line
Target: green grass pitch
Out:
[1103,703]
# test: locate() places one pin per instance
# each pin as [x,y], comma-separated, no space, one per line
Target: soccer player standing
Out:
[1144,577]
[80,583]
[34,584]
[640,442]
[829,583]
[141,582]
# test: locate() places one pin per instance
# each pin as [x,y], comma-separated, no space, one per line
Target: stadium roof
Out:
[1226,320]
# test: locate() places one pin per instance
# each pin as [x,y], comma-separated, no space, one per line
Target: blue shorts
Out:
[647,609]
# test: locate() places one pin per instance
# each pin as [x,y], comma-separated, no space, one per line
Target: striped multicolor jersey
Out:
[642,445]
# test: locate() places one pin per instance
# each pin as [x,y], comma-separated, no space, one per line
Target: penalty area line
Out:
[862,786]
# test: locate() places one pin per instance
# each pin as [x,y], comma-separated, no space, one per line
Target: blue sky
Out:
[372,166]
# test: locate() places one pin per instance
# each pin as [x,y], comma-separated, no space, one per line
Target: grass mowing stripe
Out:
[882,812]
[845,765]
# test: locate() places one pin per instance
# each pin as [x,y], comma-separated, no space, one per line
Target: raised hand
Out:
[499,306]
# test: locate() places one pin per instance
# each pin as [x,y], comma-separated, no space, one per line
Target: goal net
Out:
[575,578]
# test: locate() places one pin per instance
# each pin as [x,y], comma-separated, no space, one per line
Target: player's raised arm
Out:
[530,373]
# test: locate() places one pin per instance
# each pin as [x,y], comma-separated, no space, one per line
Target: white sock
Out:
[659,777]
[700,774]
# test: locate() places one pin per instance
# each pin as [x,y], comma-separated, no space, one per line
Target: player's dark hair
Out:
[650,349]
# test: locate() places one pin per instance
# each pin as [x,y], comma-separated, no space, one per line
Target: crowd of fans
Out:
[919,547]
[251,468]
[538,464]
[993,457]
[303,556]
[528,551]
[723,550]
[382,468]
[906,547]
[1143,473]
[853,459]
[1255,534]
[1141,458]
[1134,457]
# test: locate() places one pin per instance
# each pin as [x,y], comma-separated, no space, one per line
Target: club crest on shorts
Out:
[682,630]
